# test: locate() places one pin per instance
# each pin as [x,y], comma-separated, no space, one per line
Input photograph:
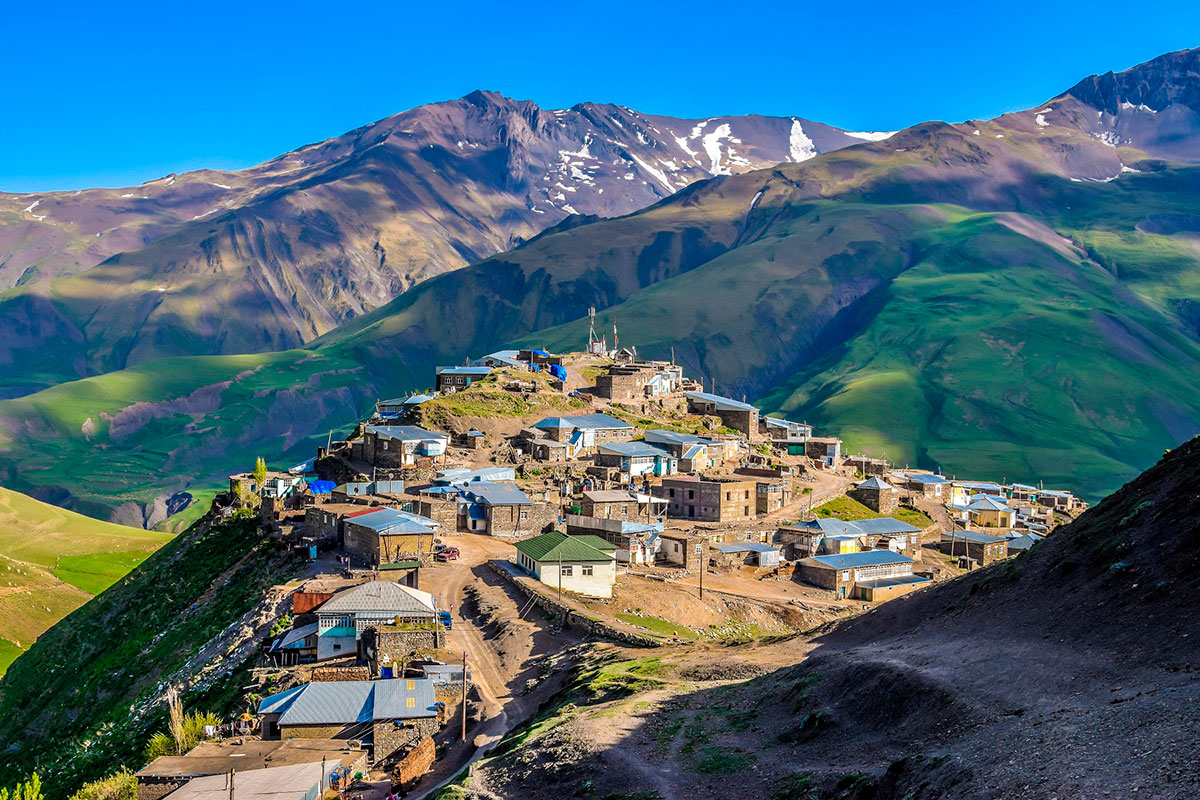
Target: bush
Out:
[118,786]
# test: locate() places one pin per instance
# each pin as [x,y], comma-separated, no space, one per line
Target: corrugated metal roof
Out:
[675,437]
[555,544]
[875,483]
[496,494]
[610,496]
[867,558]
[588,421]
[392,520]
[924,478]
[406,433]
[722,403]
[746,547]
[971,536]
[350,702]
[476,371]
[385,596]
[634,450]
[289,782]
[986,502]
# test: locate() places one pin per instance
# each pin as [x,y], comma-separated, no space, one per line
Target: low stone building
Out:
[636,542]
[979,547]
[742,417]
[869,575]
[709,499]
[683,550]
[636,459]
[399,446]
[455,379]
[394,715]
[622,504]
[501,509]
[377,536]
[751,553]
[343,619]
[877,495]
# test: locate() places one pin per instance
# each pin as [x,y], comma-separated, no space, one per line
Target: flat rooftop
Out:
[215,758]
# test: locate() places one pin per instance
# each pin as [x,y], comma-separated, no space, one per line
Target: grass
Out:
[66,702]
[658,626]
[849,509]
[54,561]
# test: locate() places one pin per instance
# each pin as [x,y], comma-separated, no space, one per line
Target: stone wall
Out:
[394,738]
[324,674]
[418,761]
[153,787]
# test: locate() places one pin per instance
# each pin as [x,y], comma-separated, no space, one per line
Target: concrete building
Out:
[987,511]
[869,575]
[742,417]
[583,564]
[709,499]
[394,715]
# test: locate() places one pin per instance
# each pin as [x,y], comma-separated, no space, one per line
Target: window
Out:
[670,492]
[337,647]
[568,571]
[747,497]
[746,511]
[691,494]
[524,514]
[586,571]
[729,495]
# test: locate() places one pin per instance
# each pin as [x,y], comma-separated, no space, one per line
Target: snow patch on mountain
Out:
[800,147]
[870,136]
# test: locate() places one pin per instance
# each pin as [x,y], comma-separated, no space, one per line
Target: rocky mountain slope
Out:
[269,257]
[1014,298]
[1066,672]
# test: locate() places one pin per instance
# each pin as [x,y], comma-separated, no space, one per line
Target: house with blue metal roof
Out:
[380,536]
[500,358]
[501,509]
[343,618]
[388,715]
[734,414]
[560,438]
[753,553]
[870,575]
[635,459]
[399,445]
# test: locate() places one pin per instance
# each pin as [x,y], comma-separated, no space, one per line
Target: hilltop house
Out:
[635,459]
[398,445]
[500,358]
[782,432]
[393,715]
[399,407]
[501,509]
[342,619]
[708,499]
[585,431]
[870,575]
[455,379]
[923,484]
[388,536]
[740,416]
[583,564]
[635,380]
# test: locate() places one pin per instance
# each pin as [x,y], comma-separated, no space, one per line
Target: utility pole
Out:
[233,771]
[703,564]
[560,575]
[464,697]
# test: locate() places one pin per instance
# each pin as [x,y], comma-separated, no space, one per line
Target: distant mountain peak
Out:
[1170,79]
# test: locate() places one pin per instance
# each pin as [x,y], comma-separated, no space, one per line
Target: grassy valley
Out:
[53,562]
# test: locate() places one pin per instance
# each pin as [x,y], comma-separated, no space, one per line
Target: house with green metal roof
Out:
[584,564]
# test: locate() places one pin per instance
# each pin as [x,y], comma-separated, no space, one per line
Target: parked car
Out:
[446,554]
[446,619]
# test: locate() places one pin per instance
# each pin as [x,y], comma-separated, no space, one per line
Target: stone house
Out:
[877,495]
[683,550]
[398,446]
[455,379]
[583,564]
[585,431]
[826,450]
[709,499]
[695,453]
[750,553]
[501,509]
[772,495]
[378,536]
[869,575]
[742,417]
[394,715]
[924,484]
[343,618]
[979,547]
[782,432]
[622,504]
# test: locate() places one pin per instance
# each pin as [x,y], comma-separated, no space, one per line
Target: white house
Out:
[583,564]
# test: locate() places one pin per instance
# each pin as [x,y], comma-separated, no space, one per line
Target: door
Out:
[843,592]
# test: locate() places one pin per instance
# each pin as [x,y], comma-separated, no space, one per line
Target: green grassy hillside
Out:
[55,561]
[66,704]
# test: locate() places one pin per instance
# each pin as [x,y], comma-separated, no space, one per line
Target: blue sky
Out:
[115,94]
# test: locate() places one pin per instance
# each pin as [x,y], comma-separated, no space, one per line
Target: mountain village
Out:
[613,496]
